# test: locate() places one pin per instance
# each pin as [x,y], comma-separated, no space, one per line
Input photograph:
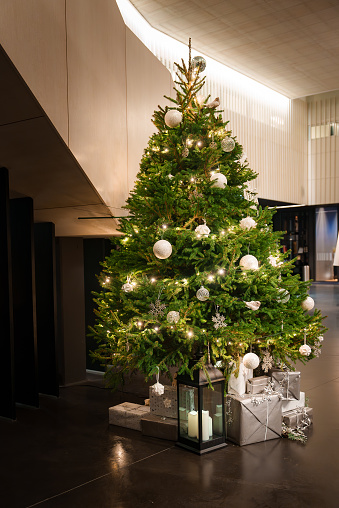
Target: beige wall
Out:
[96,81]
[323,148]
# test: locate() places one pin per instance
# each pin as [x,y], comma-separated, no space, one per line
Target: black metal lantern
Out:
[201,412]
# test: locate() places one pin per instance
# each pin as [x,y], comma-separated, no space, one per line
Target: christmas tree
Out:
[197,273]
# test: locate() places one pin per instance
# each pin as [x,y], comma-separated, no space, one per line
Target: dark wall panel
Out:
[45,280]
[7,401]
[95,251]
[71,310]
[24,310]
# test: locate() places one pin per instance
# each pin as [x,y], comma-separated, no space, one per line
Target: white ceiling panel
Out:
[292,46]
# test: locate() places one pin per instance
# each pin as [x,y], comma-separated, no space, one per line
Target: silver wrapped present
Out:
[252,419]
[165,404]
[289,405]
[128,415]
[286,383]
[257,384]
[301,417]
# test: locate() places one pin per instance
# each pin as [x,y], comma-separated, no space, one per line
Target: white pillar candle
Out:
[210,427]
[193,430]
[205,425]
[217,423]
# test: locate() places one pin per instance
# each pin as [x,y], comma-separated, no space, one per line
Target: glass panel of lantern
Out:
[201,413]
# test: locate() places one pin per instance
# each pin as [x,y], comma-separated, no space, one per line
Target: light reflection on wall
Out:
[270,126]
[326,231]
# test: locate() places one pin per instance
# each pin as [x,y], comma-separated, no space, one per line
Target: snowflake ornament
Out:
[267,362]
[157,308]
[218,320]
[167,403]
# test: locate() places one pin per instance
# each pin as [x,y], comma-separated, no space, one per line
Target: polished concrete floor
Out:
[66,455]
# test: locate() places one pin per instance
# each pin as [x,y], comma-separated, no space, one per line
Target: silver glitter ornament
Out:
[173,316]
[203,294]
[227,144]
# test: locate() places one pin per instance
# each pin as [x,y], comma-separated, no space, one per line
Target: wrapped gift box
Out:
[257,384]
[165,404]
[298,417]
[287,383]
[159,426]
[289,405]
[237,383]
[252,419]
[128,415]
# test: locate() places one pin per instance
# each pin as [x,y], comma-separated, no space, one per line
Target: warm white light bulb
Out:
[156,329]
[164,226]
[210,278]
[139,323]
[153,279]
[221,271]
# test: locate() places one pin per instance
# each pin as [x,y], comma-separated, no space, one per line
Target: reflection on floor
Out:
[66,455]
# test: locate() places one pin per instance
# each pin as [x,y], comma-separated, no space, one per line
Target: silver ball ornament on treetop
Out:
[307,304]
[219,180]
[173,118]
[247,223]
[305,350]
[227,144]
[162,249]
[198,63]
[127,287]
[249,262]
[251,361]
[173,316]
[285,296]
[203,294]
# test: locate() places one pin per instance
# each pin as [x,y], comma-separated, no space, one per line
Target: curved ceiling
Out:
[290,46]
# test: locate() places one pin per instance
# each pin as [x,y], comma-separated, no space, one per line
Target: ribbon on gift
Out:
[288,383]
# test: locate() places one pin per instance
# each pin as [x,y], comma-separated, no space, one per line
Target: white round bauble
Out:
[307,304]
[173,316]
[202,230]
[285,296]
[162,249]
[173,118]
[249,262]
[251,361]
[203,294]
[227,144]
[247,223]
[305,350]
[127,287]
[219,180]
